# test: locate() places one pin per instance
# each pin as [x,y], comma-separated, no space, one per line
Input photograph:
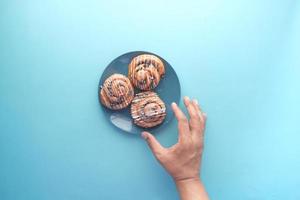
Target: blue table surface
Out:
[240,59]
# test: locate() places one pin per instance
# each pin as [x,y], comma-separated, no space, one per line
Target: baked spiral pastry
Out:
[116,92]
[147,109]
[145,71]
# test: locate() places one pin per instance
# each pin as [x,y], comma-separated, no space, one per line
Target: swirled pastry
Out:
[147,109]
[145,71]
[116,92]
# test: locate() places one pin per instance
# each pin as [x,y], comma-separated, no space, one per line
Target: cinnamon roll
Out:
[147,109]
[116,92]
[145,71]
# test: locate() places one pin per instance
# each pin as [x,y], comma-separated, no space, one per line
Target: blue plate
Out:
[168,90]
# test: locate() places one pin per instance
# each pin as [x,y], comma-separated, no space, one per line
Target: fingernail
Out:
[186,98]
[196,101]
[173,104]
[144,135]
[205,115]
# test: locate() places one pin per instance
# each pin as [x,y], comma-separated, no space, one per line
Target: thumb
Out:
[154,145]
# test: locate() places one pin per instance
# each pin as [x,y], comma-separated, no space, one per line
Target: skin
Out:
[183,160]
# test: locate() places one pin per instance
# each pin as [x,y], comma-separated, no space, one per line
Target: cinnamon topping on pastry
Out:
[117,92]
[145,71]
[147,109]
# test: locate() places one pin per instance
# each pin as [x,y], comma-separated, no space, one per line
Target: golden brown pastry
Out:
[147,109]
[145,71]
[116,92]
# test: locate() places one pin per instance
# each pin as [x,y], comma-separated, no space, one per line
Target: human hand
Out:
[182,160]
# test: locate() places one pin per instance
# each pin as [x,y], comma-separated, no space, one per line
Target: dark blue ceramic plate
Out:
[168,90]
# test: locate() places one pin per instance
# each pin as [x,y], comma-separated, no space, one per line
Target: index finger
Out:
[183,124]
[195,122]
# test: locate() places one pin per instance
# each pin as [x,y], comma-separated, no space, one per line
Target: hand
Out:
[182,160]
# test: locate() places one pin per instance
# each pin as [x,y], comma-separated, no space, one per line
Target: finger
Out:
[198,135]
[154,145]
[192,109]
[183,124]
[197,107]
[195,122]
[202,115]
[204,120]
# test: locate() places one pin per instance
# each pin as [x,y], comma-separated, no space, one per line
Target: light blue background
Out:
[239,58]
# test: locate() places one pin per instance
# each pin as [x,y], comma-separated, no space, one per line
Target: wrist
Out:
[188,180]
[191,188]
